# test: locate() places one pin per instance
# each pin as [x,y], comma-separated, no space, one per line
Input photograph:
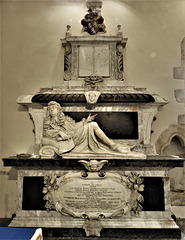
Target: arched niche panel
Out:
[171,141]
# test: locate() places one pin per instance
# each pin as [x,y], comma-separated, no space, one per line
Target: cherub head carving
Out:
[93,165]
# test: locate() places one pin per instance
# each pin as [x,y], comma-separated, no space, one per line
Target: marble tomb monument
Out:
[94,167]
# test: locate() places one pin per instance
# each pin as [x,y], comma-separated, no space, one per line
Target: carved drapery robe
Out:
[81,136]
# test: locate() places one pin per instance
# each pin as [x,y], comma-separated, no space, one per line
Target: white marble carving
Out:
[92,96]
[146,219]
[148,115]
[94,60]
[62,134]
[94,55]
[101,61]
[37,115]
[146,111]
[93,165]
[94,195]
[86,55]
[92,81]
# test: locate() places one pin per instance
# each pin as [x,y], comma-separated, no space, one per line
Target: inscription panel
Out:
[101,61]
[94,60]
[93,195]
[86,61]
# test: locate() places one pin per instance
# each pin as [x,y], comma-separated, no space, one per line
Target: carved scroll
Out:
[94,194]
[120,70]
[67,63]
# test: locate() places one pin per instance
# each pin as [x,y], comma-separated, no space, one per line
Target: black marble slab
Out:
[59,162]
[113,234]
[104,97]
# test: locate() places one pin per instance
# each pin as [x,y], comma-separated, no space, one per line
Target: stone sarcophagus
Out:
[120,194]
[94,167]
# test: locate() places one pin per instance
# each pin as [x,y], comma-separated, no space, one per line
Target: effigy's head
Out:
[53,108]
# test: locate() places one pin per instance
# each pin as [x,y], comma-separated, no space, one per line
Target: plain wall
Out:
[32,58]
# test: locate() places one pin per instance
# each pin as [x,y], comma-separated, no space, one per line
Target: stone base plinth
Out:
[114,234]
[49,192]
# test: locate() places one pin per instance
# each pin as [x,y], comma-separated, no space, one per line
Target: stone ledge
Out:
[104,97]
[151,162]
[113,234]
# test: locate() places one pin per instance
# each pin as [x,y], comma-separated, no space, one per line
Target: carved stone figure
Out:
[62,134]
[93,22]
[93,165]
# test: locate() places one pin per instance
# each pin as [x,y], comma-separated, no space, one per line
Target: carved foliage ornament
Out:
[94,194]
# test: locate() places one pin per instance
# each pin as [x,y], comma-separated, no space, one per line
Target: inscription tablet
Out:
[101,196]
[94,196]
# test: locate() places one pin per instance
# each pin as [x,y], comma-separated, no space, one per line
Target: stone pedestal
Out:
[154,214]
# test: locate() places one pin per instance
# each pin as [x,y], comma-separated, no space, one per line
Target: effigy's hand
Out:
[63,136]
[90,118]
